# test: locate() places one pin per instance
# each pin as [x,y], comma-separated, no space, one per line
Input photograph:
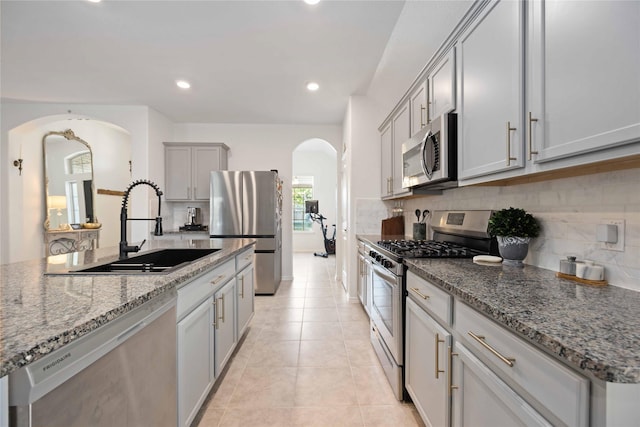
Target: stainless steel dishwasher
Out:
[122,374]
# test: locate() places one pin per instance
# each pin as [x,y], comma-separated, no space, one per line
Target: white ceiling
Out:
[247,61]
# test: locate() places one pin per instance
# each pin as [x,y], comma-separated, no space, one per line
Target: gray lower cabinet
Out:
[195,360]
[245,285]
[225,336]
[427,365]
[482,399]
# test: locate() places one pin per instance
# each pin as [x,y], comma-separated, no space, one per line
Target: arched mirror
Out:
[68,179]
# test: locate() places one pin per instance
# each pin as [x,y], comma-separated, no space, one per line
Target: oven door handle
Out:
[385,275]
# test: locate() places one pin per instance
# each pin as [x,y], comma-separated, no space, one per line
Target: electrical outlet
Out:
[619,245]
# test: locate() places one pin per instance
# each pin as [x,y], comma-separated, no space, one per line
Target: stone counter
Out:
[594,329]
[40,313]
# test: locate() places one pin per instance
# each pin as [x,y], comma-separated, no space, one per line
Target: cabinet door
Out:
[177,178]
[205,160]
[401,129]
[419,110]
[584,90]
[386,144]
[195,361]
[490,91]
[427,365]
[480,398]
[245,298]
[442,87]
[362,290]
[225,330]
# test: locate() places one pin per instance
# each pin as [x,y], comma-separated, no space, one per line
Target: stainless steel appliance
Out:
[194,217]
[248,204]
[459,234]
[123,373]
[429,158]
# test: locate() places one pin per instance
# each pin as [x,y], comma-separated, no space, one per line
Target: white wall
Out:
[322,166]
[134,119]
[262,147]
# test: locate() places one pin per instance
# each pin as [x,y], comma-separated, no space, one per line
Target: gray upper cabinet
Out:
[442,87]
[419,111]
[386,156]
[490,95]
[401,130]
[583,84]
[188,168]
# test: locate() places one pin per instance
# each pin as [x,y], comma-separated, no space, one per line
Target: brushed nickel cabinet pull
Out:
[417,291]
[242,287]
[215,315]
[422,110]
[438,370]
[217,279]
[222,307]
[509,158]
[531,120]
[507,360]
[450,376]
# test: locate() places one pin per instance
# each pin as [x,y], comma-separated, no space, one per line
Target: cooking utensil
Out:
[424,214]
[418,214]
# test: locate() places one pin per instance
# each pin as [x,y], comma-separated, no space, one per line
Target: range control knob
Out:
[387,264]
[372,254]
[378,257]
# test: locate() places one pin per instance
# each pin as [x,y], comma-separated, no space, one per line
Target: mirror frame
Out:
[70,136]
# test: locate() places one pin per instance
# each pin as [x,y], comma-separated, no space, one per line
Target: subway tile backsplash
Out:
[568,209]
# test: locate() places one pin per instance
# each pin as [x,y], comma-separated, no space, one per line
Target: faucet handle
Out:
[141,244]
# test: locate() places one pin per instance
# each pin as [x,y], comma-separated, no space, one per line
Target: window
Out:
[302,191]
[80,163]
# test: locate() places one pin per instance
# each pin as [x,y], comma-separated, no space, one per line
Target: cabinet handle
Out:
[450,376]
[215,316]
[509,158]
[222,297]
[531,120]
[188,192]
[417,291]
[217,279]
[422,109]
[507,360]
[428,110]
[242,287]
[438,370]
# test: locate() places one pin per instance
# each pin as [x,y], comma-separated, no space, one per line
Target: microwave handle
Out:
[423,156]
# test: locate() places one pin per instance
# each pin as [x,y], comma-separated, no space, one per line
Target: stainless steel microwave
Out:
[429,158]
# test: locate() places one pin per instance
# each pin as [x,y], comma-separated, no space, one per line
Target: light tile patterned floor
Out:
[306,361]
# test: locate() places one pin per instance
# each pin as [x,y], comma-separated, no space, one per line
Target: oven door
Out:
[386,309]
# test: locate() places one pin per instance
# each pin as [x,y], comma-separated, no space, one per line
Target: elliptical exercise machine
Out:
[311,208]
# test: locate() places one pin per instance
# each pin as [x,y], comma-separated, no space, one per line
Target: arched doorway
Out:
[111,147]
[314,176]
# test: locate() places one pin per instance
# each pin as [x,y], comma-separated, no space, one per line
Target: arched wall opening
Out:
[314,167]
[25,213]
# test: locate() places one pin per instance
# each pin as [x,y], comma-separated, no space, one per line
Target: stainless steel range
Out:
[456,234]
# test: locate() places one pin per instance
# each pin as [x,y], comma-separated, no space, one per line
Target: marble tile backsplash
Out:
[568,209]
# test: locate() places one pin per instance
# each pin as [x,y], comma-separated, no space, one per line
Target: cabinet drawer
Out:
[203,286]
[557,388]
[429,297]
[244,259]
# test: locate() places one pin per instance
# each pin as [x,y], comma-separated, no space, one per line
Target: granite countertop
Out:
[594,329]
[40,313]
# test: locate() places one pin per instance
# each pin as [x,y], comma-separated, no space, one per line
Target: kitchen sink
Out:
[162,261]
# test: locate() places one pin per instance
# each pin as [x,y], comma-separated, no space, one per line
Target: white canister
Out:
[590,271]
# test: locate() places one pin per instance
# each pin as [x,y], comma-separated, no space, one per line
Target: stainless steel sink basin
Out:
[162,261]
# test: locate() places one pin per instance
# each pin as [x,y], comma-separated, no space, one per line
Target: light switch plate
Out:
[619,245]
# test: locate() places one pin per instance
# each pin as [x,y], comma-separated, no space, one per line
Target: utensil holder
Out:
[419,231]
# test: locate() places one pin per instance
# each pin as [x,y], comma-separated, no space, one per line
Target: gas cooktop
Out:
[427,249]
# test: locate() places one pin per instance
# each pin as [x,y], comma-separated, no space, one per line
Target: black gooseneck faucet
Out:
[124,246]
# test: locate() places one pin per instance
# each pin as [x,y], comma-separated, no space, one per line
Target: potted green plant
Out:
[513,229]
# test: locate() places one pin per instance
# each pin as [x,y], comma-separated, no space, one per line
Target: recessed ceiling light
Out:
[183,84]
[95,1]
[312,1]
[313,86]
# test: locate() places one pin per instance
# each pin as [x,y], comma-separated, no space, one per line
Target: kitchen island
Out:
[43,309]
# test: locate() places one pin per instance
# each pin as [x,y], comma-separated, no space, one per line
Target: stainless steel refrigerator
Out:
[248,204]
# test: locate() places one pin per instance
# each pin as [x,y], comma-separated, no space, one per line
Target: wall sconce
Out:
[58,202]
[18,164]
